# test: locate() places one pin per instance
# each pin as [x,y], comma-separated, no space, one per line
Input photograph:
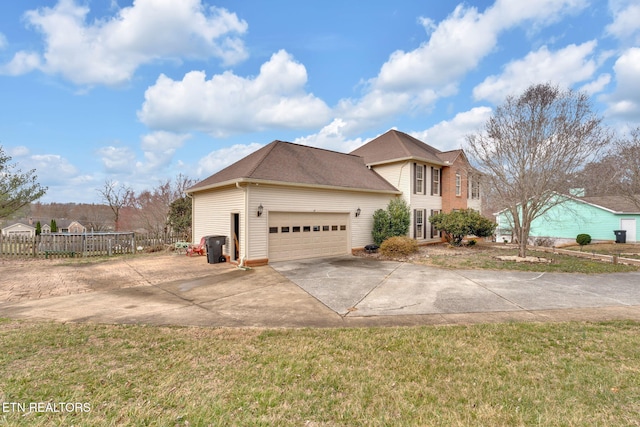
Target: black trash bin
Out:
[214,248]
[621,236]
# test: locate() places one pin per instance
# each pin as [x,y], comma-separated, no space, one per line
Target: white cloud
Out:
[3,41]
[117,159]
[415,79]
[624,102]
[566,67]
[19,151]
[228,104]
[22,62]
[451,134]
[108,51]
[220,159]
[51,168]
[332,137]
[159,148]
[597,85]
[458,43]
[626,15]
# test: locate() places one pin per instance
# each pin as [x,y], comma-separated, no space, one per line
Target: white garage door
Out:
[296,235]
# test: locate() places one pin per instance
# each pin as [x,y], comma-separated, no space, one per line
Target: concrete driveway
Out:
[334,292]
[361,289]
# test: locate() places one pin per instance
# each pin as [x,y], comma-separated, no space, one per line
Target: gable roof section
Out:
[396,146]
[616,204]
[285,162]
[450,156]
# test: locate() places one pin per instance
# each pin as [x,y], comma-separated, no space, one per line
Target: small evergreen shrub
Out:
[398,246]
[583,239]
[394,221]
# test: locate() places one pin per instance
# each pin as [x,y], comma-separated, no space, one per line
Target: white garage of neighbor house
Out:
[288,201]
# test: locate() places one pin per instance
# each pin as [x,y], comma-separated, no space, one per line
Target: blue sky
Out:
[140,91]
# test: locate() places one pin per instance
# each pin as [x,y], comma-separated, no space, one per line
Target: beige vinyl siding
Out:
[292,199]
[398,175]
[212,212]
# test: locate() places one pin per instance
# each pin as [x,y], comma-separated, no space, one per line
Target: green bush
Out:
[459,224]
[391,222]
[583,239]
[380,230]
[398,246]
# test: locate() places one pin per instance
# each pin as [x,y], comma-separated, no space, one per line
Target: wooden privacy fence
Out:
[86,244]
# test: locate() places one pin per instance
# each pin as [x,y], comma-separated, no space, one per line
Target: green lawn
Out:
[485,257]
[566,374]
[626,250]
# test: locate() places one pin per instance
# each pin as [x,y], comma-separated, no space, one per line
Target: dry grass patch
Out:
[502,257]
[573,374]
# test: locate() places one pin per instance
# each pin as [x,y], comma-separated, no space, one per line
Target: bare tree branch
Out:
[116,196]
[531,145]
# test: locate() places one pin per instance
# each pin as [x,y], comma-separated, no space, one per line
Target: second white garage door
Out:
[297,235]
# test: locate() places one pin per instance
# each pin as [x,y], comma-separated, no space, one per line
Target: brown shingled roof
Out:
[285,162]
[396,145]
[618,204]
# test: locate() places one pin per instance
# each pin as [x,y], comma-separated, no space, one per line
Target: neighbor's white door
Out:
[629,224]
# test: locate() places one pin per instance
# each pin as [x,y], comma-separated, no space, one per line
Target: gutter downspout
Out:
[192,219]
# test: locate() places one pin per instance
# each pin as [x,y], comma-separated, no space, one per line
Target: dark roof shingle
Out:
[286,162]
[617,204]
[396,145]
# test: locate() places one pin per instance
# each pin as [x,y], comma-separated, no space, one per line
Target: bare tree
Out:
[617,173]
[153,206]
[531,145]
[117,197]
[627,167]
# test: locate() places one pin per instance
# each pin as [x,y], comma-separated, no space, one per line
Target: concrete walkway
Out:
[333,292]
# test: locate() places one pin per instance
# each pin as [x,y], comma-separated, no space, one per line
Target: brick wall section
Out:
[449,199]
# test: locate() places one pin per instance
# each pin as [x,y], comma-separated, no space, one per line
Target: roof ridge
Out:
[418,143]
[317,148]
[395,133]
[270,148]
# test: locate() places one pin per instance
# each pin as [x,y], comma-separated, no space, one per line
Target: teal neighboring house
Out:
[600,217]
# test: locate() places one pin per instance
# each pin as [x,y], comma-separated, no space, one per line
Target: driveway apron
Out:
[362,287]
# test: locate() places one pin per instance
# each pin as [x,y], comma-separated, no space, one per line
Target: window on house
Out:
[419,174]
[419,223]
[284,229]
[325,228]
[273,230]
[458,184]
[434,231]
[306,228]
[475,189]
[296,229]
[435,182]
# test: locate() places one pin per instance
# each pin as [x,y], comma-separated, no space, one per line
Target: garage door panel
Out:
[296,235]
